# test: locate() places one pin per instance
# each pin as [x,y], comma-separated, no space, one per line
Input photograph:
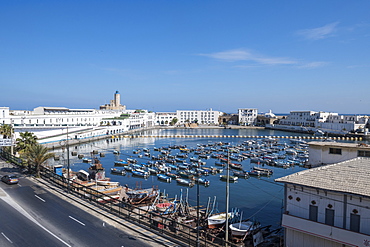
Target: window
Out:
[363,153]
[313,213]
[335,151]
[354,223]
[329,217]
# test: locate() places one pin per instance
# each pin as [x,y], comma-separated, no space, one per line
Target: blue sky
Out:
[187,55]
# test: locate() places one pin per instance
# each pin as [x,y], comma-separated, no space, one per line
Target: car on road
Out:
[10,179]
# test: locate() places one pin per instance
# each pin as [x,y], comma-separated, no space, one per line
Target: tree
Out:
[37,155]
[25,140]
[174,121]
[6,130]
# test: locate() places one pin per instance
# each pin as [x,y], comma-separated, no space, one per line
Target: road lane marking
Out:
[6,238]
[39,198]
[77,220]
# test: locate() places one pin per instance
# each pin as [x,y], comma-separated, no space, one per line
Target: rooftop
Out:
[351,176]
[339,144]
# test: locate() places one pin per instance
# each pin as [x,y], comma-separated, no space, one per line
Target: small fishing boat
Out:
[164,177]
[241,229]
[236,166]
[218,220]
[185,182]
[203,181]
[138,173]
[231,178]
[86,160]
[107,182]
[254,173]
[163,207]
[269,171]
[172,175]
[241,174]
[118,171]
[116,152]
[120,163]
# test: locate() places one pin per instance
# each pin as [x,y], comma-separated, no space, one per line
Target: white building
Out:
[344,123]
[51,121]
[328,205]
[322,122]
[247,116]
[322,153]
[165,118]
[201,117]
[4,115]
[306,118]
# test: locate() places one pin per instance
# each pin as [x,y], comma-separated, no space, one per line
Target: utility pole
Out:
[68,175]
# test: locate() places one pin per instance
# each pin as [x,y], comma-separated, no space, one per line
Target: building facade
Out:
[328,205]
[198,116]
[322,153]
[247,116]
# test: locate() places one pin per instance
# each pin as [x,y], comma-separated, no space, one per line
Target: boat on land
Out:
[163,207]
[218,220]
[118,171]
[107,182]
[139,196]
[243,228]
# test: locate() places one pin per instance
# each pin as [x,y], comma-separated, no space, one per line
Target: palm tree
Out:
[37,155]
[6,130]
[25,140]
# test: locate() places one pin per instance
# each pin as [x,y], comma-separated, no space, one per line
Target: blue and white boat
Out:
[164,177]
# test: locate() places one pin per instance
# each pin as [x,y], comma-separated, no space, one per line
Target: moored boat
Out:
[185,182]
[164,177]
[230,178]
[118,171]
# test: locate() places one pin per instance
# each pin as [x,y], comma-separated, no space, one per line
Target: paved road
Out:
[43,219]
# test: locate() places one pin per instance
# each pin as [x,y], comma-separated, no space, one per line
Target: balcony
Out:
[327,232]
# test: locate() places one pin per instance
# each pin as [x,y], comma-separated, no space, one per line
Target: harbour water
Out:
[258,198]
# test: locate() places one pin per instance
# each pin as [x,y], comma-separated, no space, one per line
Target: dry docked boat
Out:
[243,228]
[218,220]
[107,182]
[141,196]
[162,207]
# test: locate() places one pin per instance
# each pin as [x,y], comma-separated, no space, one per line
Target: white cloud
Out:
[313,65]
[320,32]
[246,55]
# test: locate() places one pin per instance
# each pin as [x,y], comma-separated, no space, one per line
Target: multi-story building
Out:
[165,118]
[328,205]
[4,115]
[201,117]
[247,116]
[322,153]
[322,122]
